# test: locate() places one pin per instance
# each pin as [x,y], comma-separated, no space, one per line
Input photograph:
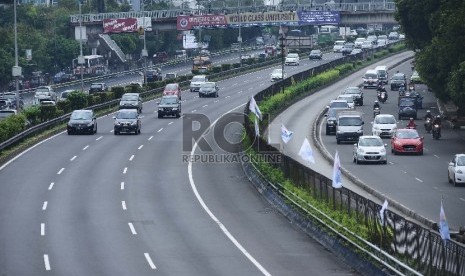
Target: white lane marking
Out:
[46,262]
[51,185]
[122,185]
[86,147]
[61,170]
[44,206]
[132,157]
[194,110]
[418,179]
[216,101]
[133,231]
[211,215]
[160,129]
[141,146]
[205,105]
[99,138]
[436,156]
[170,123]
[42,229]
[403,171]
[123,204]
[150,138]
[227,97]
[461,199]
[390,163]
[149,260]
[111,130]
[125,170]
[72,159]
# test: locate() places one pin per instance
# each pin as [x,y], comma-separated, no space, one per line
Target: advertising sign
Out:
[319,17]
[186,22]
[120,25]
[28,54]
[263,18]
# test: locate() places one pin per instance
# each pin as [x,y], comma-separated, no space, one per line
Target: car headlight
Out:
[160,109]
[376,128]
[459,171]
[90,124]
[383,151]
[175,108]
[330,122]
[360,151]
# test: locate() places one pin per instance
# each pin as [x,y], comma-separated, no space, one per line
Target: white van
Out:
[383,75]
[338,44]
[181,54]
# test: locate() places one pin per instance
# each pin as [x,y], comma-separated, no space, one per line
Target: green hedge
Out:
[10,126]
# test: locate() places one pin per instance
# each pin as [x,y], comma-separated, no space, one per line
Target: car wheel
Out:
[159,116]
[394,151]
[95,130]
[178,115]
[448,178]
[385,162]
[338,141]
[69,132]
[116,132]
[216,95]
[354,159]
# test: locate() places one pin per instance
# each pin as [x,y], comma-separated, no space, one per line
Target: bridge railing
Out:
[160,14]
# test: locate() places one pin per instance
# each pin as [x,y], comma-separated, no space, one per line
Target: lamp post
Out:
[16,71]
[239,37]
[144,51]
[281,40]
[81,57]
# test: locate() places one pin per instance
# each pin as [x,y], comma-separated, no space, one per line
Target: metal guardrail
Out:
[164,14]
[402,246]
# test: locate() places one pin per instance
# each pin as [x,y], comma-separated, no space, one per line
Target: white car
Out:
[367,45]
[197,81]
[292,59]
[456,169]
[358,42]
[349,99]
[382,42]
[370,149]
[277,75]
[337,48]
[384,125]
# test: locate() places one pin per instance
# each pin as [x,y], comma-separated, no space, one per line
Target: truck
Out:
[349,126]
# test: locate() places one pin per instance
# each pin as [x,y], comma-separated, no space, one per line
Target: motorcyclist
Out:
[411,124]
[376,105]
[428,115]
[437,120]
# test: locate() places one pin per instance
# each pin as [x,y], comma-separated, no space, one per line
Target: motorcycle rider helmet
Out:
[428,111]
[376,101]
[438,117]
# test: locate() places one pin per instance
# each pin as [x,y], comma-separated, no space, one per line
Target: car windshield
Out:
[350,121]
[348,99]
[126,115]
[277,71]
[461,160]
[342,104]
[385,120]
[168,100]
[398,77]
[315,52]
[198,78]
[81,115]
[370,142]
[129,98]
[292,55]
[171,86]
[406,102]
[208,86]
[351,90]
[371,76]
[95,86]
[407,134]
[9,96]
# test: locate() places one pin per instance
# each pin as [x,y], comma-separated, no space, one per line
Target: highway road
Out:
[416,182]
[128,204]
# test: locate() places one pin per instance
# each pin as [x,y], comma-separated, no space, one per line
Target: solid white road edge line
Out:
[149,260]
[212,216]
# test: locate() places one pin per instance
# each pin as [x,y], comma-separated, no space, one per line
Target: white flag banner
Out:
[443,225]
[337,176]
[306,152]
[286,134]
[253,107]
[257,129]
[381,212]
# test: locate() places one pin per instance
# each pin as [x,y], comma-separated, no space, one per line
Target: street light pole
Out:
[239,38]
[281,39]
[81,57]
[144,51]
[16,71]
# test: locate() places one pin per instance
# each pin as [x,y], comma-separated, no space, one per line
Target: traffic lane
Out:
[422,177]
[277,245]
[299,118]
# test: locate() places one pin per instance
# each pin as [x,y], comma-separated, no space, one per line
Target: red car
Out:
[407,141]
[172,89]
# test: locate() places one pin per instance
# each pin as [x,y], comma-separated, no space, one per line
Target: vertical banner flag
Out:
[286,134]
[381,212]
[337,177]
[443,225]
[257,130]
[253,107]
[306,152]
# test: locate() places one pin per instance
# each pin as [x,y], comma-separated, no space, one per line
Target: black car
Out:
[82,121]
[169,106]
[331,119]
[347,48]
[315,54]
[128,121]
[397,81]
[356,93]
[131,100]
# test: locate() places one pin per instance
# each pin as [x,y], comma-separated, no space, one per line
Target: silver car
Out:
[370,149]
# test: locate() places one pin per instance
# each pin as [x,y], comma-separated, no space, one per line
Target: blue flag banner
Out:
[443,225]
[319,18]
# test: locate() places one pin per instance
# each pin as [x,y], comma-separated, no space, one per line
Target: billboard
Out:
[319,17]
[120,25]
[187,22]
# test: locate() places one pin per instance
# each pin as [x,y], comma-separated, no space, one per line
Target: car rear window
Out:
[171,86]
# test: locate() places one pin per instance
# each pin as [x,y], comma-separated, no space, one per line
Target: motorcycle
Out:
[401,91]
[428,125]
[376,111]
[436,131]
[382,96]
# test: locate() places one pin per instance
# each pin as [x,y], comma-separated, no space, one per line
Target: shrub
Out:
[225,66]
[48,112]
[32,114]
[236,65]
[216,69]
[195,72]
[118,91]
[64,105]
[77,100]
[11,126]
